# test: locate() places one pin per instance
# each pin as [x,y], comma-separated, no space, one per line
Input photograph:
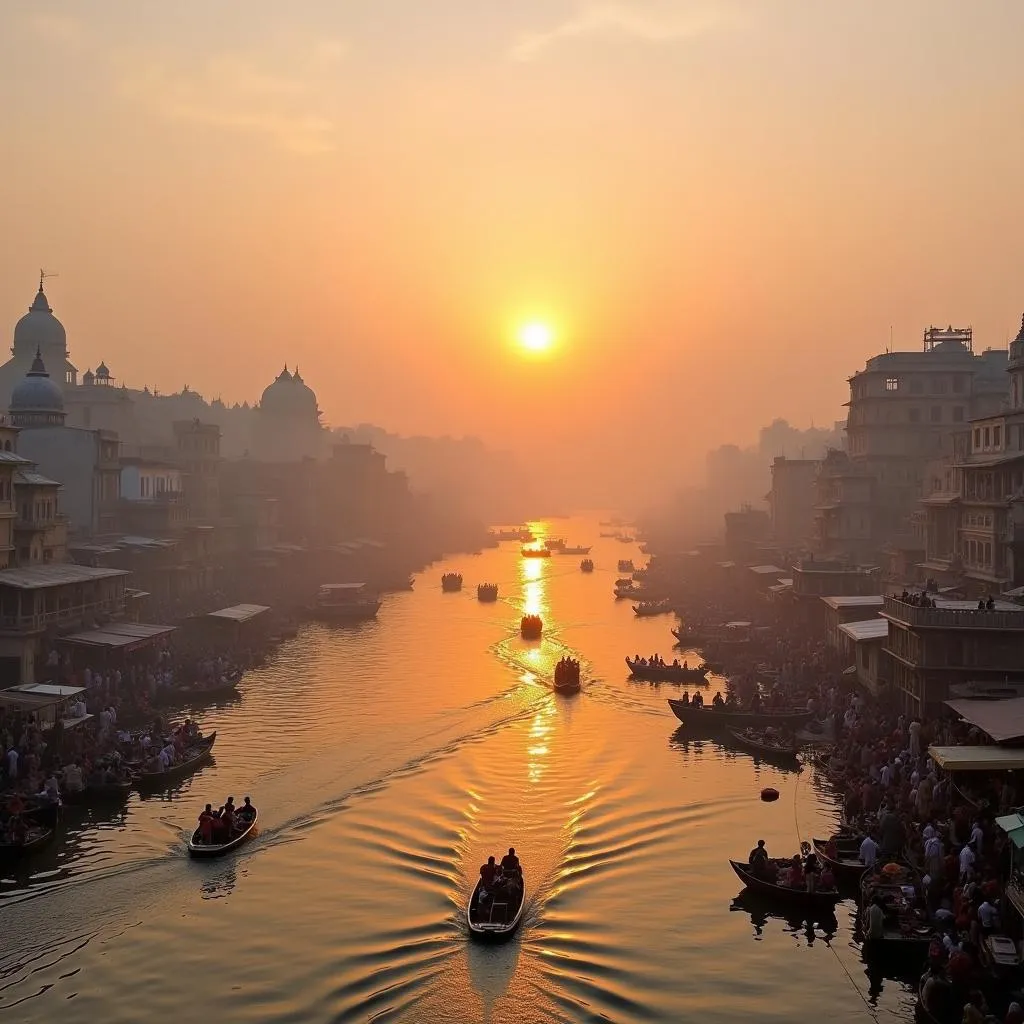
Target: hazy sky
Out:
[722,206]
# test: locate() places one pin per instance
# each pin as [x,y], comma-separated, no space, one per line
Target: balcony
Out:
[65,615]
[952,615]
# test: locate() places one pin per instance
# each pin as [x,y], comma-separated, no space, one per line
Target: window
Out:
[977,437]
[997,436]
[958,414]
[935,414]
[892,383]
[915,415]
[988,438]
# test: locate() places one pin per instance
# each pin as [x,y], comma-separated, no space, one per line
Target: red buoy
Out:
[769,793]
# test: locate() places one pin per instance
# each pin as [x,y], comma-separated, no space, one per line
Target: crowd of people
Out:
[894,797]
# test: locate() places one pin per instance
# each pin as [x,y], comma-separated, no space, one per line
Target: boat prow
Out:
[494,921]
[197,848]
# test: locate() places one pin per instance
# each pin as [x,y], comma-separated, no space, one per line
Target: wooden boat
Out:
[648,608]
[567,676]
[555,544]
[777,751]
[906,937]
[846,866]
[575,551]
[586,565]
[45,815]
[626,565]
[535,553]
[487,592]
[667,673]
[197,848]
[451,582]
[146,781]
[36,837]
[716,719]
[352,602]
[98,793]
[490,920]
[531,627]
[686,637]
[820,899]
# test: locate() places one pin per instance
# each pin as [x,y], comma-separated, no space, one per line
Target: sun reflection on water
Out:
[538,748]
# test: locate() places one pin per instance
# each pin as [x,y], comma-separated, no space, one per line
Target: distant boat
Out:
[487,592]
[535,553]
[344,602]
[576,551]
[197,848]
[587,565]
[451,582]
[557,544]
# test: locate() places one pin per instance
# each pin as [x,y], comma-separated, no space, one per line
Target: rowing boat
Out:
[667,673]
[819,899]
[197,848]
[194,757]
[713,718]
[779,751]
[36,837]
[491,919]
[847,866]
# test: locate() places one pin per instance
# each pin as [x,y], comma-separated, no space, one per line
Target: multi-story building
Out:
[844,501]
[974,506]
[933,648]
[903,411]
[792,500]
[746,532]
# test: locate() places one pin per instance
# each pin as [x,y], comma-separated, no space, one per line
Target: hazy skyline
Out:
[721,207]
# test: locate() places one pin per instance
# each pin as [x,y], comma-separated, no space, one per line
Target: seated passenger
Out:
[510,862]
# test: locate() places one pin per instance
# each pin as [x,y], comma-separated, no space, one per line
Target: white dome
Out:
[39,330]
[37,392]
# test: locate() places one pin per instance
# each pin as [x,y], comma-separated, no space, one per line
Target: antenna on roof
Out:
[43,275]
[889,349]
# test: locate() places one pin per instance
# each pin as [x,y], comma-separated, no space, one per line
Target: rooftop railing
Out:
[952,618]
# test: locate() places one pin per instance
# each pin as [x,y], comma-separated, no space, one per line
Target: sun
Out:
[536,336]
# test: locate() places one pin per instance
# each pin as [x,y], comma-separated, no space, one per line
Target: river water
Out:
[388,760]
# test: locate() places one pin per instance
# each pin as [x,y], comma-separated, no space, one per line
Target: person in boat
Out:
[718,701]
[698,700]
[489,874]
[685,699]
[758,858]
[685,665]
[247,808]
[206,824]
[510,863]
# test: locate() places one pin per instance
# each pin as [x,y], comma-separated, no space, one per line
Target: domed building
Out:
[38,331]
[287,425]
[37,401]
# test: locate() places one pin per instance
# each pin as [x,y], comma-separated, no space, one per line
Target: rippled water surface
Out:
[388,761]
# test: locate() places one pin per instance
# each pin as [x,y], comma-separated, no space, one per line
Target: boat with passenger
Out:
[531,627]
[906,930]
[576,550]
[774,742]
[720,716]
[496,904]
[842,854]
[555,544]
[645,609]
[535,552]
[451,582]
[587,565]
[22,837]
[513,534]
[487,592]
[656,669]
[567,676]
[626,565]
[223,830]
[159,773]
[687,637]
[799,881]
[345,602]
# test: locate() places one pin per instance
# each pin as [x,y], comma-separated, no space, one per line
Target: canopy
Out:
[240,612]
[978,759]
[1002,719]
[119,635]
[1013,826]
[865,629]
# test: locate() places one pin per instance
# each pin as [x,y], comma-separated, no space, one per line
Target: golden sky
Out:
[722,207]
